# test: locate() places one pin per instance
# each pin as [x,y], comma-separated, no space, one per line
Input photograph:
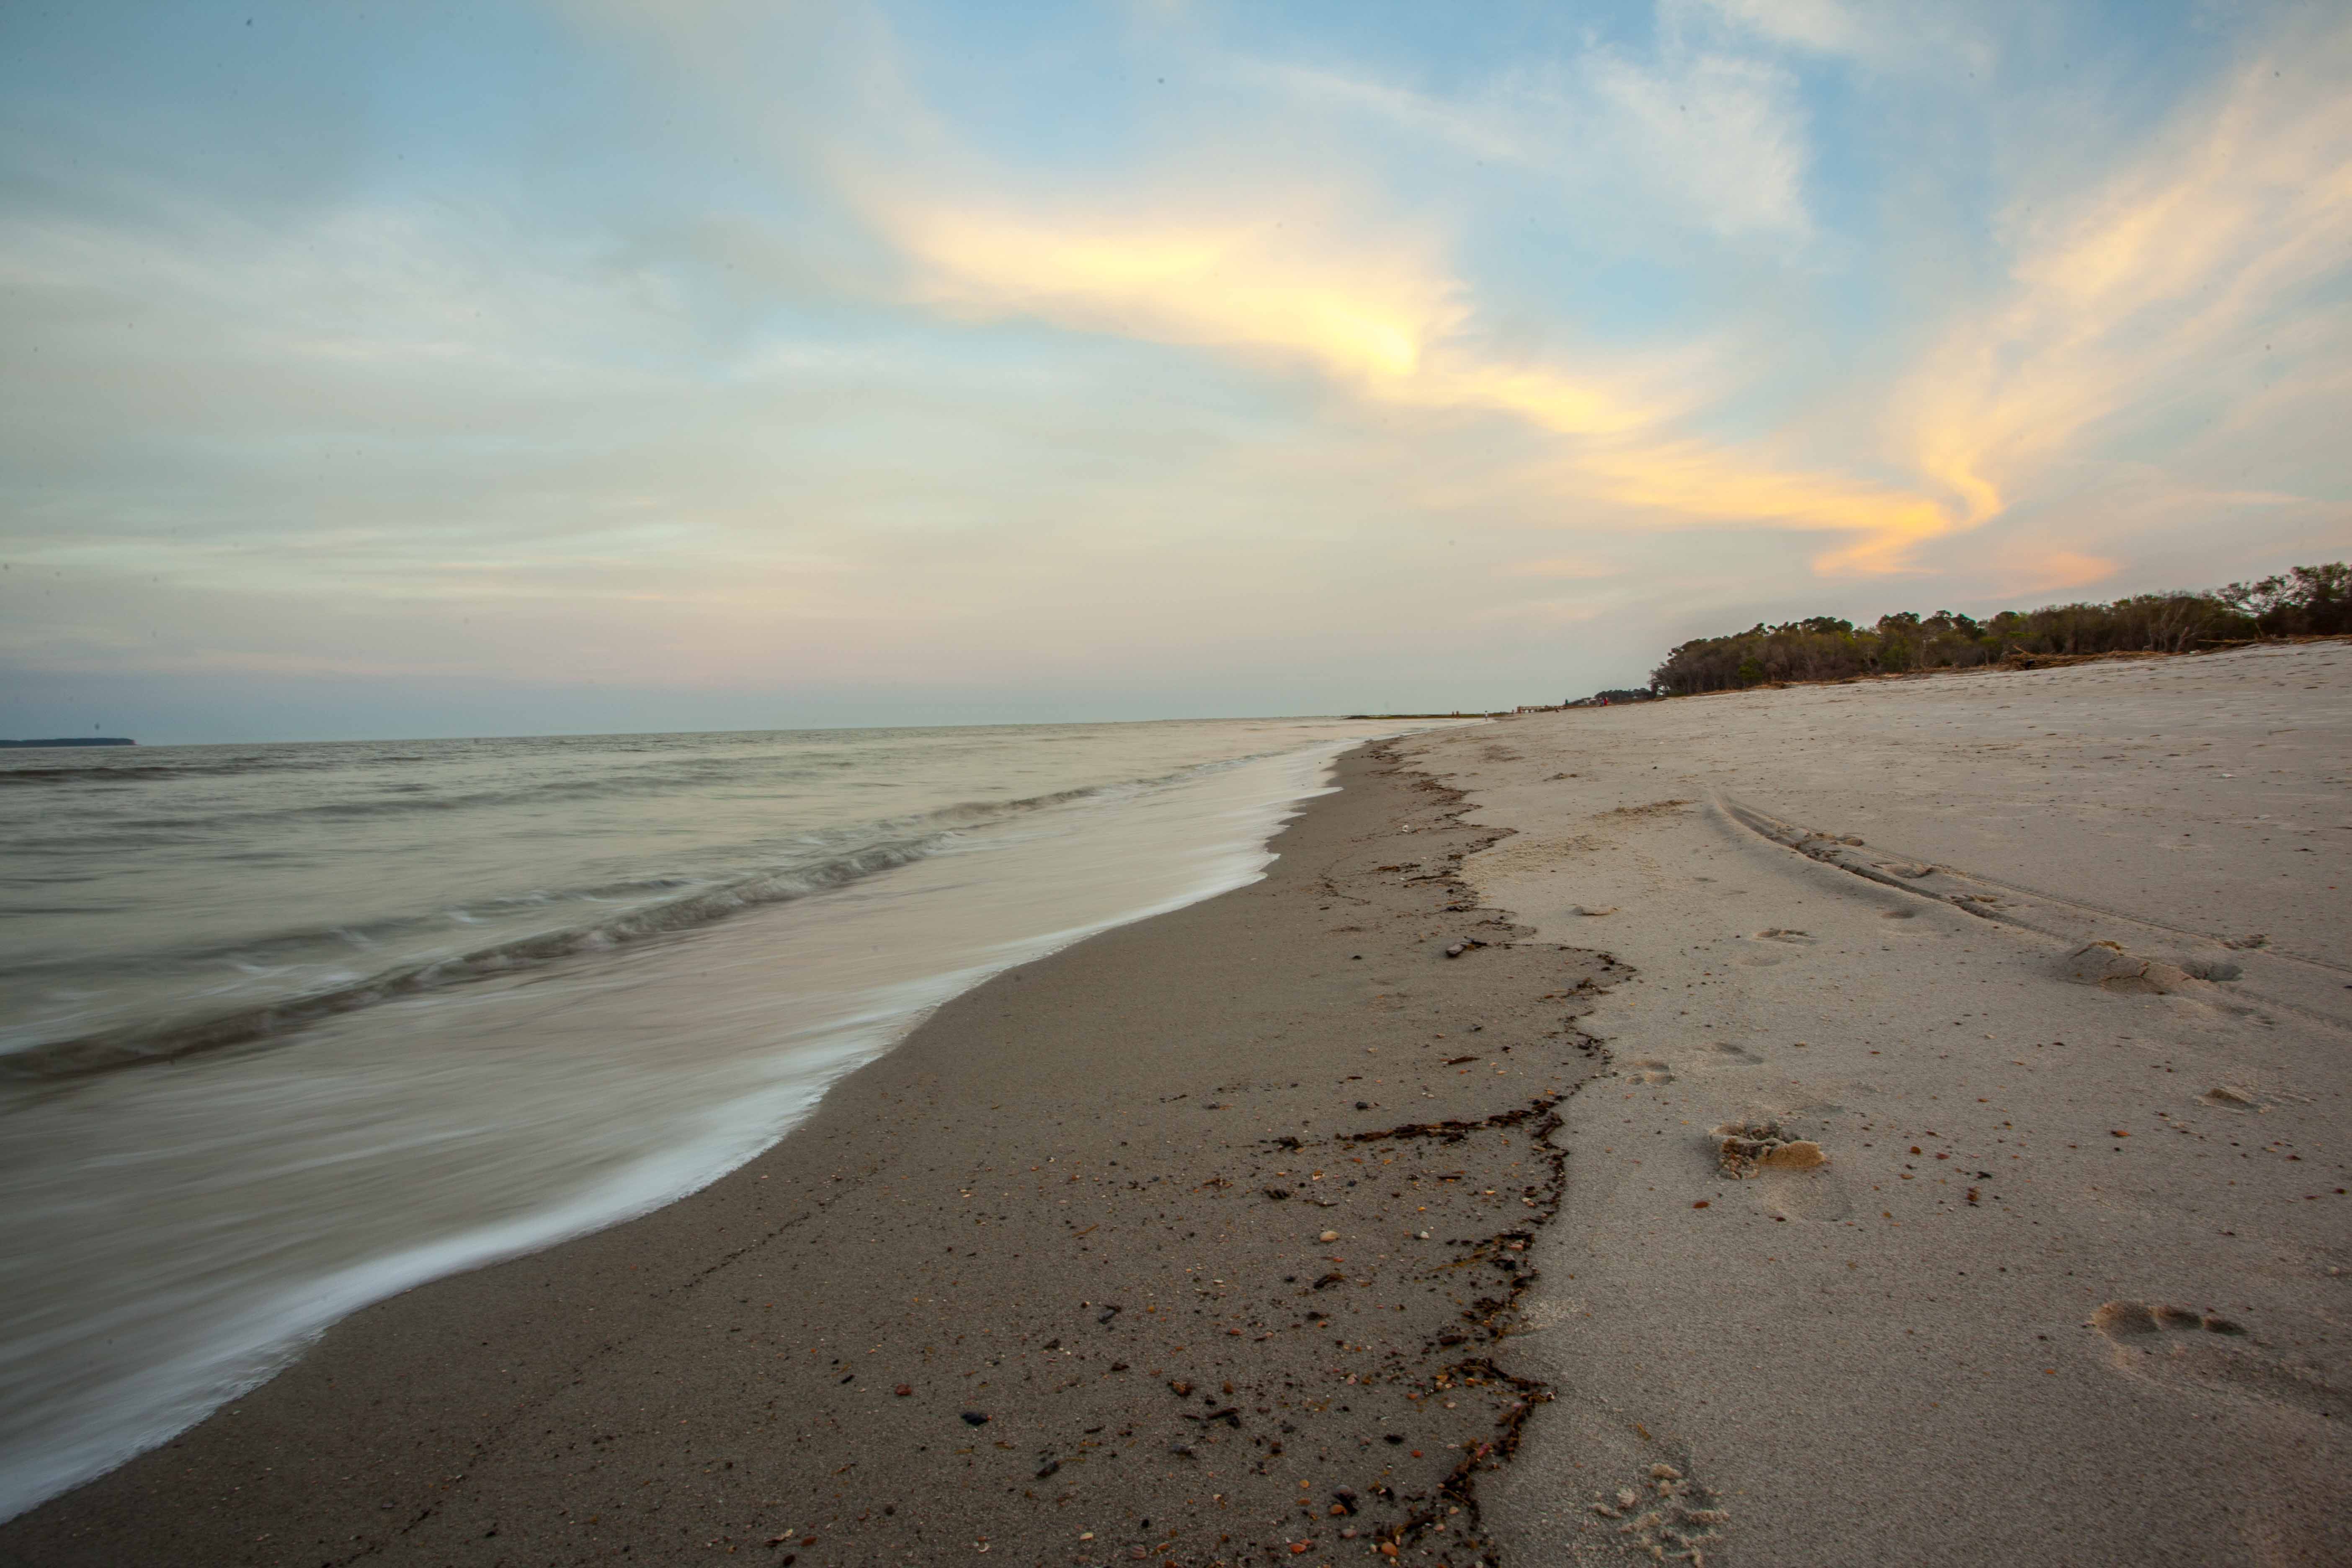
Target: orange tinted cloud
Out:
[2143,287]
[1389,328]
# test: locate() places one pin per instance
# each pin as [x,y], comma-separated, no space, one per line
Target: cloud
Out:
[1468,127]
[1872,33]
[1828,27]
[1368,314]
[2130,303]
[2031,569]
[1704,140]
[1723,132]
[1375,319]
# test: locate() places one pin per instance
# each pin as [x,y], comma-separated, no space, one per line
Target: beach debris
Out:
[1744,1149]
[1329,1236]
[1179,1387]
[1591,914]
[903,1390]
[1048,1468]
[1110,1311]
[1464,945]
[1278,1194]
[974,1417]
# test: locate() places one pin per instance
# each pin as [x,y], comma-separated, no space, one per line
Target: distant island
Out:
[77,741]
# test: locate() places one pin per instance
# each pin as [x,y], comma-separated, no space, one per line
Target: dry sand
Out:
[2014,1249]
[2069,1285]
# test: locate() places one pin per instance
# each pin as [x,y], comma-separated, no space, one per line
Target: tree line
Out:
[2307,601]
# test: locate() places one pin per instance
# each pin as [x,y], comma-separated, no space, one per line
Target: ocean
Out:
[285,1029]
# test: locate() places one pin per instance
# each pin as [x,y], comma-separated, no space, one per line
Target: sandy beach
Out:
[1710,1132]
[2069,1286]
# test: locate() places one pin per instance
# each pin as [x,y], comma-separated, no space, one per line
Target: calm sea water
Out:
[285,1029]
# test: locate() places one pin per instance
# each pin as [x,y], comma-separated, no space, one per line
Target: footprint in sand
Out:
[2110,967]
[1781,942]
[1790,1177]
[1648,1072]
[1660,1516]
[2179,1346]
[1745,1149]
[1723,1054]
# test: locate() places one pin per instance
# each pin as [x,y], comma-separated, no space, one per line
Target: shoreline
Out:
[177,1261]
[1135,1227]
[726,1373]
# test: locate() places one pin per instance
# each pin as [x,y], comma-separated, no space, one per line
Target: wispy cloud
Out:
[2129,303]
[1697,139]
[1379,322]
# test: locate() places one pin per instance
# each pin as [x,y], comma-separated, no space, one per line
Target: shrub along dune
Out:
[2308,601]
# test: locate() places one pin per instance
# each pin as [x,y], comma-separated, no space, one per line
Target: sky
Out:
[397,369]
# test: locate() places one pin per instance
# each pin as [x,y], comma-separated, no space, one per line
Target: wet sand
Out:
[1191,1243]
